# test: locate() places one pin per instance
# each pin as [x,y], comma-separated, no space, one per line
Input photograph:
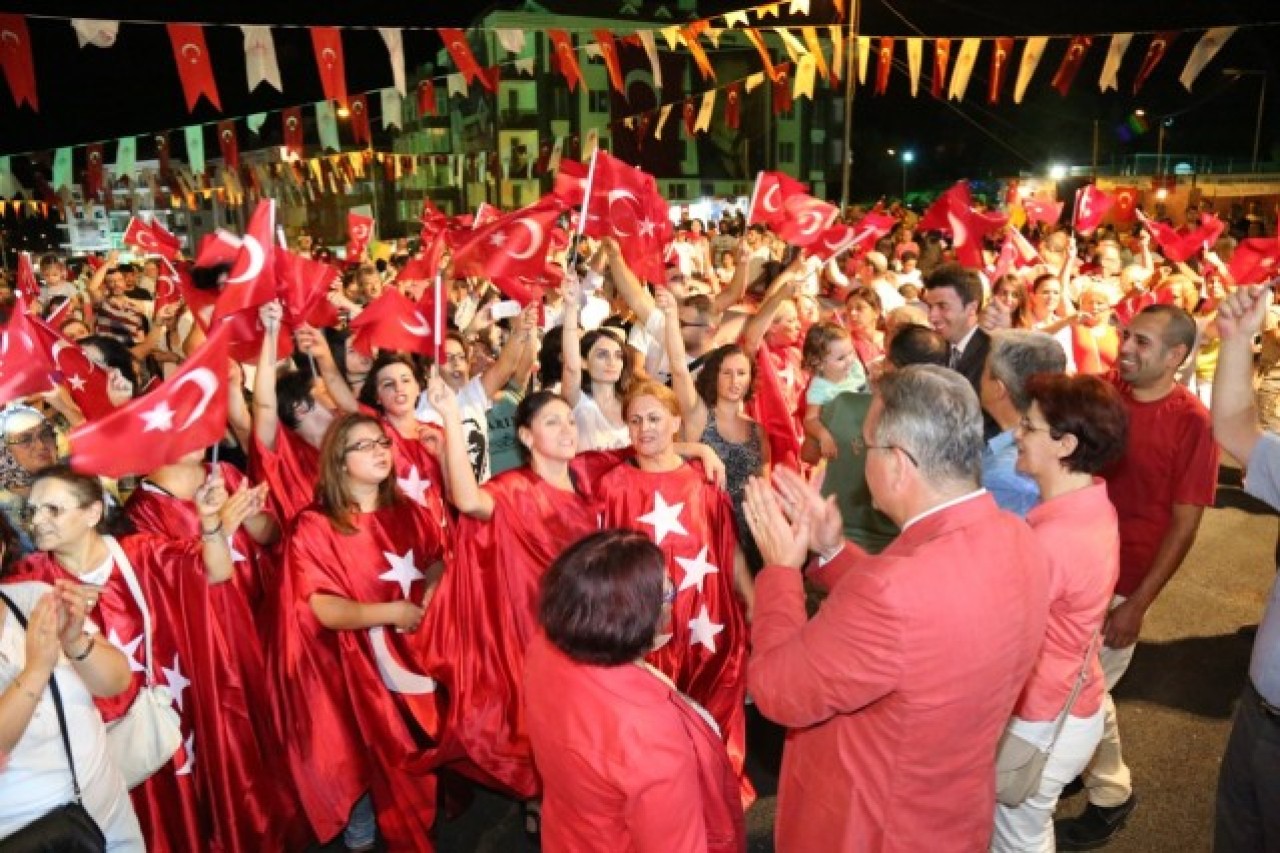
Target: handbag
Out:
[1019,762]
[69,828]
[150,732]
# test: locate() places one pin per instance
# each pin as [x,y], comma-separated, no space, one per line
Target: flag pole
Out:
[571,260]
[755,193]
[437,319]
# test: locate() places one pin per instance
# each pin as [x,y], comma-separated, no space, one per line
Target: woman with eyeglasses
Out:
[360,709]
[130,580]
[659,494]
[1073,429]
[628,761]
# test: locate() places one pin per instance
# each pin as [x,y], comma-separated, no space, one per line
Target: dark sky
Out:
[93,94]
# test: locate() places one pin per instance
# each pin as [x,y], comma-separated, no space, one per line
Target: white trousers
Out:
[1028,828]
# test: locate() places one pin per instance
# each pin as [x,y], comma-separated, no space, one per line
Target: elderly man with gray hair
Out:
[897,691]
[1016,355]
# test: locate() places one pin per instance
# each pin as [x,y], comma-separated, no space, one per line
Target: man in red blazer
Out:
[897,691]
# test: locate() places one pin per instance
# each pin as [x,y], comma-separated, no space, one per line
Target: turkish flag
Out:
[24,365]
[359,233]
[565,60]
[1002,50]
[168,285]
[609,52]
[93,170]
[360,120]
[28,287]
[771,192]
[733,106]
[301,285]
[768,406]
[1178,247]
[782,90]
[455,41]
[1155,52]
[220,247]
[1071,63]
[152,238]
[251,281]
[884,64]
[1256,260]
[16,60]
[228,144]
[485,213]
[935,218]
[689,112]
[571,182]
[625,204]
[953,214]
[1126,204]
[529,288]
[186,412]
[327,44]
[293,130]
[510,246]
[941,58]
[85,381]
[162,152]
[394,322]
[1048,212]
[194,65]
[427,98]
[1092,205]
[859,237]
[806,218]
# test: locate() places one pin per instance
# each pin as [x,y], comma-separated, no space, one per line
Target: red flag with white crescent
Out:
[565,60]
[427,98]
[293,130]
[168,285]
[93,170]
[805,219]
[85,381]
[625,204]
[1071,63]
[884,64]
[858,237]
[510,246]
[1155,52]
[1091,205]
[609,52]
[1002,50]
[327,44]
[24,364]
[194,65]
[455,42]
[782,90]
[359,233]
[771,192]
[733,106]
[1037,210]
[17,62]
[28,286]
[152,238]
[360,120]
[252,280]
[1255,260]
[571,182]
[394,322]
[941,58]
[1126,204]
[1179,247]
[228,144]
[186,412]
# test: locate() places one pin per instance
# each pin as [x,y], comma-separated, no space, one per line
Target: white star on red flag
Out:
[664,518]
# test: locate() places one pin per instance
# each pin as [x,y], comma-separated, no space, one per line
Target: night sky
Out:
[94,94]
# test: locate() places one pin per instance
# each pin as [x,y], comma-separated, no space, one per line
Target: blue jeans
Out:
[362,827]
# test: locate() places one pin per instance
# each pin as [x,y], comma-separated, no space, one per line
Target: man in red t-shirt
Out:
[1160,488]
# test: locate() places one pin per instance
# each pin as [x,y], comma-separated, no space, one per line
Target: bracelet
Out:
[17,682]
[210,534]
[88,649]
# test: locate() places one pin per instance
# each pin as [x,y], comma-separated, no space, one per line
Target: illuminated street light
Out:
[1057,171]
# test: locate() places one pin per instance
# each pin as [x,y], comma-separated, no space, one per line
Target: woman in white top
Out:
[35,777]
[594,389]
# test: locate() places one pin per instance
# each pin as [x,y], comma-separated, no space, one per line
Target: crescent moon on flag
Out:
[422,330]
[10,36]
[204,379]
[164,287]
[58,347]
[959,234]
[194,56]
[535,239]
[145,240]
[394,676]
[256,259]
[611,198]
[329,56]
[291,123]
[769,206]
[811,221]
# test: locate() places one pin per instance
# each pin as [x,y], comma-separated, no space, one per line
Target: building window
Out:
[816,155]
[598,102]
[787,152]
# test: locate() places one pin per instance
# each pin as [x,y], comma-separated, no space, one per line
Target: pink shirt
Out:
[1079,532]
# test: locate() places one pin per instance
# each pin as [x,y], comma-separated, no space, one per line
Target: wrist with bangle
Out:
[210,534]
[85,652]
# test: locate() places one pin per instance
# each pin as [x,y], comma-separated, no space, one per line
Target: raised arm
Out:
[464,492]
[238,416]
[210,500]
[570,344]
[736,289]
[693,412]
[782,289]
[266,420]
[1235,416]
[311,341]
[625,281]
[496,376]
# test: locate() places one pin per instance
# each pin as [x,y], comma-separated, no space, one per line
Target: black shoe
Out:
[1095,826]
[1072,788]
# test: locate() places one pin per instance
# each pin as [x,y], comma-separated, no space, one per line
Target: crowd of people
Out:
[915,512]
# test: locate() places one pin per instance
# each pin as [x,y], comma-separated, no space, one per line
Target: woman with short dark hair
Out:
[1073,428]
[627,761]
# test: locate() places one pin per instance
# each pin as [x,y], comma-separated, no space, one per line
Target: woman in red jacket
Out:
[627,761]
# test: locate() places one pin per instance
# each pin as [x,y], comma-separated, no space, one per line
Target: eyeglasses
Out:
[695,325]
[45,434]
[902,450]
[29,512]
[367,445]
[1025,424]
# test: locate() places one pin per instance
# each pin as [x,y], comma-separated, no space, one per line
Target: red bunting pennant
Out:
[293,131]
[16,60]
[941,58]
[426,98]
[782,90]
[699,55]
[360,120]
[162,151]
[609,52]
[690,115]
[565,59]
[1003,48]
[885,64]
[327,43]
[1071,63]
[1155,52]
[455,41]
[93,171]
[228,144]
[765,60]
[733,106]
[194,66]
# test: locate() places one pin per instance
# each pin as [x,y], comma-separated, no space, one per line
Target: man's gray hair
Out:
[932,413]
[1018,354]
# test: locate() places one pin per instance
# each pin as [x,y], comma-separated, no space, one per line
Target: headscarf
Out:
[13,421]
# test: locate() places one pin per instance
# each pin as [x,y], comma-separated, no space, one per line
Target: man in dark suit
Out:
[954,297]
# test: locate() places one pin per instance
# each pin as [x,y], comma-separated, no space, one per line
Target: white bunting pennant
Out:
[735,19]
[713,36]
[589,144]
[1032,51]
[394,40]
[795,49]
[62,168]
[864,54]
[391,107]
[837,53]
[964,68]
[327,126]
[1205,50]
[456,84]
[806,71]
[195,148]
[673,37]
[94,32]
[773,10]
[1115,55]
[753,81]
[703,122]
[512,40]
[651,51]
[915,54]
[255,122]
[126,157]
[260,58]
[557,150]
[524,67]
[799,7]
[662,121]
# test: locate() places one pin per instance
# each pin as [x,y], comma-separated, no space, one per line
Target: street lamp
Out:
[908,157]
[1237,73]
[1057,171]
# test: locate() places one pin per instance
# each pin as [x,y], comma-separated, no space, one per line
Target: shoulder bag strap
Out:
[135,589]
[1079,685]
[57,700]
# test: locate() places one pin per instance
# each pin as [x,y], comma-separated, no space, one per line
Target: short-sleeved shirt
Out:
[822,391]
[473,405]
[846,474]
[1263,482]
[504,449]
[1171,458]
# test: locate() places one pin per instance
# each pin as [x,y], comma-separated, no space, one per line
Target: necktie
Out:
[955,358]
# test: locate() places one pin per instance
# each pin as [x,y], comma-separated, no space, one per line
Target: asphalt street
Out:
[1175,702]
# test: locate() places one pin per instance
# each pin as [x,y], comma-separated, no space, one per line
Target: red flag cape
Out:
[692,522]
[187,412]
